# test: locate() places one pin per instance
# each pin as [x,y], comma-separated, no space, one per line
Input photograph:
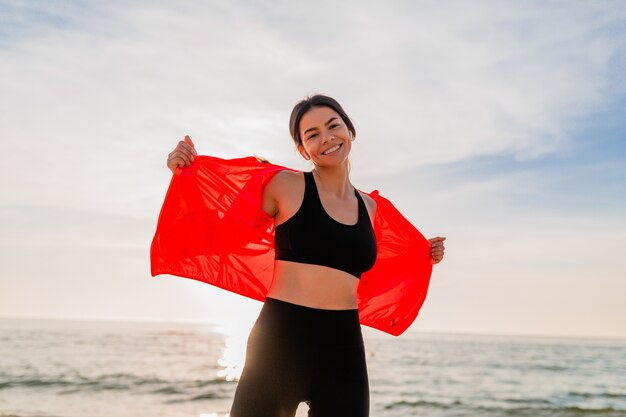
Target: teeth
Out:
[333,149]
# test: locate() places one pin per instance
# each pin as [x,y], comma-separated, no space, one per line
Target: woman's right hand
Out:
[182,155]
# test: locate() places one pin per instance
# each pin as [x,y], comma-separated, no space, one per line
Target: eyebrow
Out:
[325,124]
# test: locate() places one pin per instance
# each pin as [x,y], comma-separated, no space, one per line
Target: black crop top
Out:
[311,236]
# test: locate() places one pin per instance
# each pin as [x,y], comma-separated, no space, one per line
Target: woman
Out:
[307,344]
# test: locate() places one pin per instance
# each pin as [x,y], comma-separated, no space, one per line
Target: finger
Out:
[178,160]
[175,162]
[184,152]
[187,147]
[438,249]
[435,241]
[190,143]
[191,151]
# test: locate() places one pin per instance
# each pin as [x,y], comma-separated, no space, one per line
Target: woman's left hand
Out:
[436,249]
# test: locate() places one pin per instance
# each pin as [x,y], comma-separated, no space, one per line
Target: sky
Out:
[499,125]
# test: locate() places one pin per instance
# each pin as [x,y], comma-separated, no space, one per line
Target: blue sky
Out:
[499,125]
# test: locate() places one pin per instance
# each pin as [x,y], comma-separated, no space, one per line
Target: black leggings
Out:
[297,354]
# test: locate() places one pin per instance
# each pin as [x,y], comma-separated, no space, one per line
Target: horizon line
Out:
[146,320]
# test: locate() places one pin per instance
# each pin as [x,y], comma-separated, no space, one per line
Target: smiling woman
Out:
[317,102]
[324,256]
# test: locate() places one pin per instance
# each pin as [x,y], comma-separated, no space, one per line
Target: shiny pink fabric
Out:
[212,228]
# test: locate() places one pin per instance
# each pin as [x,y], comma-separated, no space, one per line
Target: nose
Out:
[328,137]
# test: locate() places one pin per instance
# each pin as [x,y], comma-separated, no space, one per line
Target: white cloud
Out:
[95,96]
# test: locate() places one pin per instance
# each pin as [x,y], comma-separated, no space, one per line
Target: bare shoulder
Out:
[282,187]
[283,182]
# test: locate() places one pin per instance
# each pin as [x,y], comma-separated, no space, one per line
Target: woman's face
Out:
[326,139]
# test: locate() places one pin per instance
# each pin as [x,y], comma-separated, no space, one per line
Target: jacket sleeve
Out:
[391,294]
[212,227]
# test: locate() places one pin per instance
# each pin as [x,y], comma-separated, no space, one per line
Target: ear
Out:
[303,152]
[351,137]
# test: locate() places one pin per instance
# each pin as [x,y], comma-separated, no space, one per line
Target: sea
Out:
[58,368]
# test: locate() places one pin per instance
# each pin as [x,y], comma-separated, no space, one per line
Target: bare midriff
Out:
[313,286]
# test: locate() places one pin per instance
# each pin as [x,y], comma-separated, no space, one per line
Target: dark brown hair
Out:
[307,104]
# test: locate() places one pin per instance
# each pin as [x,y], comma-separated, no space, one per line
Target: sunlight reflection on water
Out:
[233,356]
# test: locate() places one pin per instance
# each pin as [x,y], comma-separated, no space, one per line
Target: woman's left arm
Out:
[436,249]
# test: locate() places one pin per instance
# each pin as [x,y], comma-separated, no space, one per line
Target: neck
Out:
[334,179]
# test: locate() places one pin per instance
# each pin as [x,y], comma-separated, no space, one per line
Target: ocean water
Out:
[120,369]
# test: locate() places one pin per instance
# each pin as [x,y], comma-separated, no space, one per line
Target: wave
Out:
[621,396]
[569,411]
[110,382]
[201,397]
[422,403]
[528,411]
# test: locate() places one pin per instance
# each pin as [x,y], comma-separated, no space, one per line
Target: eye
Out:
[313,135]
[334,126]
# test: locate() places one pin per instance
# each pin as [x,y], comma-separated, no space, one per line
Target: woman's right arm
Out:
[273,192]
[277,192]
[182,155]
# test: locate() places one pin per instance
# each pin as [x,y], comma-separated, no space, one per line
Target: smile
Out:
[332,150]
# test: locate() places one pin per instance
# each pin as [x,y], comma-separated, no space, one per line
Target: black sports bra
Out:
[311,236]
